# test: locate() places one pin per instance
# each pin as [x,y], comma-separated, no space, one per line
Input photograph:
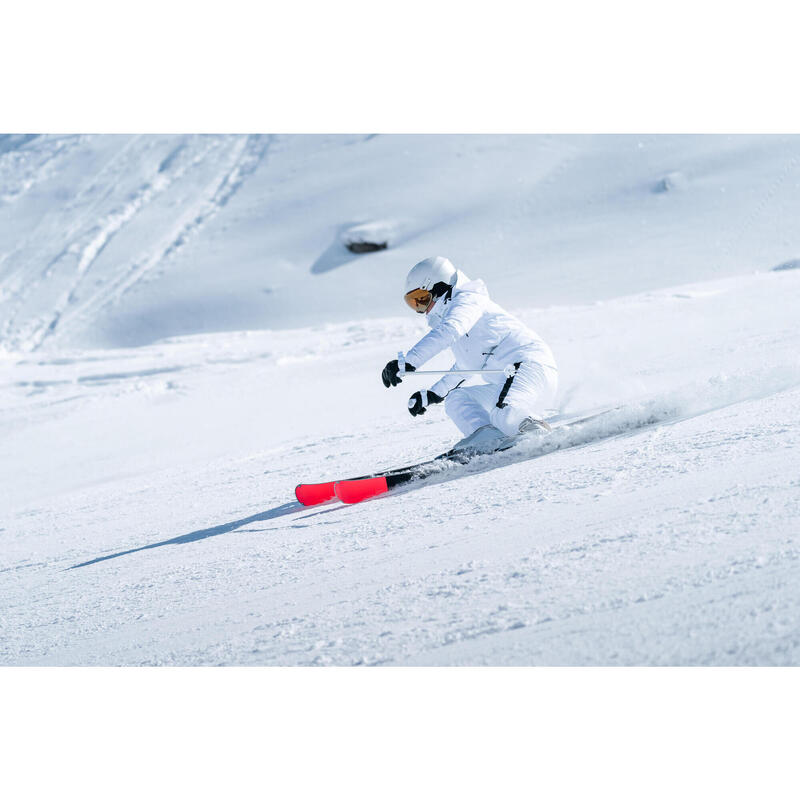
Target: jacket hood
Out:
[462,284]
[467,285]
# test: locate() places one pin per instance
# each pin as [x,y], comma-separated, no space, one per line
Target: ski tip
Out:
[311,494]
[363,489]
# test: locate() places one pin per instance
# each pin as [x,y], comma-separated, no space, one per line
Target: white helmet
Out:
[428,281]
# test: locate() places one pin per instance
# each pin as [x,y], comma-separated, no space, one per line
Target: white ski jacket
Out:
[481,334]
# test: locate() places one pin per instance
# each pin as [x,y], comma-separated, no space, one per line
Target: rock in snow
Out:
[793,263]
[367,237]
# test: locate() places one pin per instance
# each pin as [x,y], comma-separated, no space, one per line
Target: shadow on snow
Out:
[205,533]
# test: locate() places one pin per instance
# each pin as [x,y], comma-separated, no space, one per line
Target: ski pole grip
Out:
[510,371]
[401,363]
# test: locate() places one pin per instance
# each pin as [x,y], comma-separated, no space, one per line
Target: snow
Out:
[184,337]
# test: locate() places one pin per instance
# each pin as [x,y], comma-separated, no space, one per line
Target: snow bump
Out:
[671,182]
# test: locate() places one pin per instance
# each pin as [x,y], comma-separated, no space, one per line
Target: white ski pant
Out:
[527,394]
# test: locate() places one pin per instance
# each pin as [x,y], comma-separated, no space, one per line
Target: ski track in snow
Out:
[246,157]
[18,176]
[85,239]
[85,246]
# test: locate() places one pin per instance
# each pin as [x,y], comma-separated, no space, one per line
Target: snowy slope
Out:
[120,240]
[146,492]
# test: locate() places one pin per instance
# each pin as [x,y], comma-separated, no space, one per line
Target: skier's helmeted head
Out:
[428,281]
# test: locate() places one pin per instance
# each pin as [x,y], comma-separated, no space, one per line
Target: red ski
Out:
[361,489]
[354,490]
[311,494]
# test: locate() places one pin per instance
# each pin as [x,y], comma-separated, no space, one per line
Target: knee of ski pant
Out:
[533,390]
[454,401]
[454,408]
[508,418]
[465,411]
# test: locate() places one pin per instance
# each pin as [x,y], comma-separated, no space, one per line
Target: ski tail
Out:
[355,491]
[312,494]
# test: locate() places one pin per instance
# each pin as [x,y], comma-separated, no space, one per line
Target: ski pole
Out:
[509,371]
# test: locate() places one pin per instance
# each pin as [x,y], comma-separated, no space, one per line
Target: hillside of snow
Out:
[125,240]
[184,337]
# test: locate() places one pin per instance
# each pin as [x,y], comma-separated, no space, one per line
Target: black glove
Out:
[419,401]
[389,374]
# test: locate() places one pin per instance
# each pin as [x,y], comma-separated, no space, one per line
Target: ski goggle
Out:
[419,299]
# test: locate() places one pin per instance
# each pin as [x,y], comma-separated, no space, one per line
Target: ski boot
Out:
[486,439]
[533,425]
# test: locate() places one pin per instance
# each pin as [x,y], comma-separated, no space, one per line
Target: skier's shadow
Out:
[205,533]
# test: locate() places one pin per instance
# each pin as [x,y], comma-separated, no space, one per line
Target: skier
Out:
[482,335]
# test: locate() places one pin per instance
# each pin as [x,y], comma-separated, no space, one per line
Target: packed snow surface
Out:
[184,337]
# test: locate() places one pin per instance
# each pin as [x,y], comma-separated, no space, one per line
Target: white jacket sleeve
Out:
[464,312]
[447,383]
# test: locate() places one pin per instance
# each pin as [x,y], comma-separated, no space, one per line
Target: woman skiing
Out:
[482,335]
